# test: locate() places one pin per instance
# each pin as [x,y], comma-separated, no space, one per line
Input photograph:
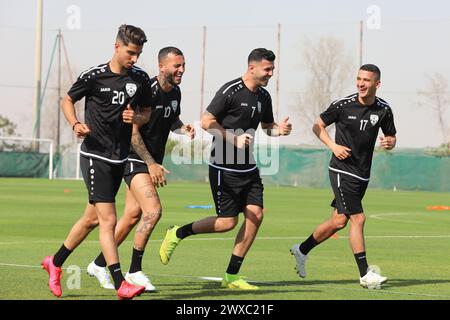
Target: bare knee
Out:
[226,224]
[155,214]
[358,219]
[151,218]
[131,215]
[108,223]
[259,217]
[256,216]
[130,221]
[340,222]
[90,223]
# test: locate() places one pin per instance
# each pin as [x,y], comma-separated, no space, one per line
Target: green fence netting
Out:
[24,164]
[416,169]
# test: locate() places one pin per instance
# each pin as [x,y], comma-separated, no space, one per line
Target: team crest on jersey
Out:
[373,119]
[131,89]
[174,105]
[259,107]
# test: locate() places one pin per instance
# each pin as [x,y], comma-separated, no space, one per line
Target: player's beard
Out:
[264,81]
[170,80]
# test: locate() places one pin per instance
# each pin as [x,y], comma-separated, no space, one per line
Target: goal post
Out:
[11,148]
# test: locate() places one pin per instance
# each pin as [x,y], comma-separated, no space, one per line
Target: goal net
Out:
[26,157]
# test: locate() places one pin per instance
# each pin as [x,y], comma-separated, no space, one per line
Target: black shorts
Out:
[348,193]
[232,191]
[102,179]
[132,168]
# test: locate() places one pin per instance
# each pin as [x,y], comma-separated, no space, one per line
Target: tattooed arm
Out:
[139,146]
[157,172]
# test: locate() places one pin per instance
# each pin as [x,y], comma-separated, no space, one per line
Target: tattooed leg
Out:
[145,228]
[148,199]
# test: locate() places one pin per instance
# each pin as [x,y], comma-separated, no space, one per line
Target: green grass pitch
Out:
[409,244]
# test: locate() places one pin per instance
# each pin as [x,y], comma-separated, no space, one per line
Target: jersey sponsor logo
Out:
[131,89]
[174,105]
[373,119]
[105,89]
[352,117]
[159,107]
[244,104]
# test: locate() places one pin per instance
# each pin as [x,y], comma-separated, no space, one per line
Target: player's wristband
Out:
[73,127]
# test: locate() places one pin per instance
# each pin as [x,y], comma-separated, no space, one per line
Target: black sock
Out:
[116,274]
[362,263]
[61,256]
[308,244]
[100,260]
[185,231]
[235,264]
[136,261]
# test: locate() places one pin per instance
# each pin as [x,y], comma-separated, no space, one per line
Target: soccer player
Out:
[144,171]
[358,119]
[113,92]
[233,117]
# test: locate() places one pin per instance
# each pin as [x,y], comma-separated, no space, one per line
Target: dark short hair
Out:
[164,52]
[259,54]
[371,68]
[131,34]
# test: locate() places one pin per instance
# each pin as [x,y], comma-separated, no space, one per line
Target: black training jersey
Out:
[107,96]
[239,110]
[357,128]
[165,111]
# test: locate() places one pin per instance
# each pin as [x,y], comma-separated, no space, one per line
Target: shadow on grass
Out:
[110,295]
[391,283]
[193,290]
[210,290]
[397,283]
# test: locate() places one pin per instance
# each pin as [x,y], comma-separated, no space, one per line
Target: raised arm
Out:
[275,130]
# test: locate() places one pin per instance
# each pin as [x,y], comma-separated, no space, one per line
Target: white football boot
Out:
[372,280]
[140,279]
[102,275]
[300,260]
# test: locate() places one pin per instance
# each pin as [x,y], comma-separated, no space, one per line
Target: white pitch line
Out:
[18,265]
[382,215]
[257,238]
[2,264]
[383,291]
[387,291]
